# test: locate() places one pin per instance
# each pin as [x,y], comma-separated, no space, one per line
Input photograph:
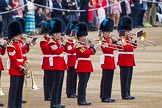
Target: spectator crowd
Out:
[96,11]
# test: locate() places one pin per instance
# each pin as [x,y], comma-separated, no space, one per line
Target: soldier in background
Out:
[70,50]
[48,78]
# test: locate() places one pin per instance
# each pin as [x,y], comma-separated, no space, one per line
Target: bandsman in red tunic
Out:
[70,60]
[56,46]
[23,39]
[83,64]
[45,60]
[107,60]
[126,57]
[23,42]
[15,65]
[2,51]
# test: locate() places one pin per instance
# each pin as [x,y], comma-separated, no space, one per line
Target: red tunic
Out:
[126,56]
[16,59]
[108,49]
[2,52]
[71,53]
[45,58]
[84,63]
[25,49]
[57,54]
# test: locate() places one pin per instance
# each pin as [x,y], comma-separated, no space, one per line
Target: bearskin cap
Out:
[56,26]
[107,25]
[14,29]
[125,23]
[70,27]
[82,29]
[22,22]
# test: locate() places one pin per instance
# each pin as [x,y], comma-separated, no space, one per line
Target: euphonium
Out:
[29,74]
[28,68]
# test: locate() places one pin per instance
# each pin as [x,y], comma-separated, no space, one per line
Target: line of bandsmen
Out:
[76,60]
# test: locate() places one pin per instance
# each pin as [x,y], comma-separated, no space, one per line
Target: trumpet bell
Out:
[143,37]
[101,39]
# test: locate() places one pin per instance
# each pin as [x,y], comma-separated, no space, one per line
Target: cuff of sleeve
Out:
[22,69]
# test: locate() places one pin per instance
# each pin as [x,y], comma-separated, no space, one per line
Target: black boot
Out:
[23,101]
[83,102]
[1,104]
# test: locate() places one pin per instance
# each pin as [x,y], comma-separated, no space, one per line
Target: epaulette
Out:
[51,41]
[11,46]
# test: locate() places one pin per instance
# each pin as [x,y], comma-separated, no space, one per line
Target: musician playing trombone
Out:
[2,52]
[83,64]
[70,49]
[126,57]
[15,65]
[107,60]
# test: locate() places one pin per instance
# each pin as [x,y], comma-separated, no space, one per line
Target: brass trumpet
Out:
[142,35]
[31,40]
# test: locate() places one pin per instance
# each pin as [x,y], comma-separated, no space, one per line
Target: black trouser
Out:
[125,80]
[71,81]
[84,17]
[135,16]
[48,82]
[15,92]
[106,83]
[82,85]
[6,18]
[57,87]
[142,12]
